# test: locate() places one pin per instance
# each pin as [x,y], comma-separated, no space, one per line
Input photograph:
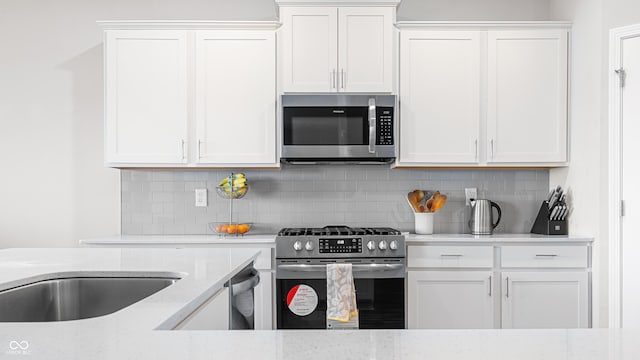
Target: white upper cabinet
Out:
[527,96]
[235,97]
[146,96]
[337,49]
[310,49]
[190,94]
[440,97]
[365,49]
[483,94]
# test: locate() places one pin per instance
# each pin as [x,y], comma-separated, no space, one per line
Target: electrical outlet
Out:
[201,197]
[470,193]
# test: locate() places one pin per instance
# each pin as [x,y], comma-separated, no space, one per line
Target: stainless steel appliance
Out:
[378,256]
[481,220]
[338,129]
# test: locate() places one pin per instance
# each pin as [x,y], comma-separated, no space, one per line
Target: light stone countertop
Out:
[202,273]
[130,334]
[269,239]
[262,240]
[415,239]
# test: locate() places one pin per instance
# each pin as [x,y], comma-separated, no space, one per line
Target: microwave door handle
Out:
[372,126]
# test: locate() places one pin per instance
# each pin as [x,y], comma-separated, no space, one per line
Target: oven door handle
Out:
[355,267]
[372,126]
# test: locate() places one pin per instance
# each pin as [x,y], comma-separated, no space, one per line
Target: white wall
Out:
[54,188]
[616,13]
[474,10]
[583,176]
[588,176]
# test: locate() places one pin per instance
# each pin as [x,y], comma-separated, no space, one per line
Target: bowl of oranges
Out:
[230,229]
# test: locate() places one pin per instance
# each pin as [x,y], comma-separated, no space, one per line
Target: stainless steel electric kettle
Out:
[481,221]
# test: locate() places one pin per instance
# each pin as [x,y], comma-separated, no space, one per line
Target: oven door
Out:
[379,295]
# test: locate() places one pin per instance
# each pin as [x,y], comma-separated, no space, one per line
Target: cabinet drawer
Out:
[450,256]
[545,256]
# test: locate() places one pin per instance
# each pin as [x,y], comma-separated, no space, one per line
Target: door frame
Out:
[616,36]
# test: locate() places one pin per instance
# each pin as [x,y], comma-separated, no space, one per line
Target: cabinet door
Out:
[440,97]
[309,49]
[450,300]
[527,99]
[365,49]
[212,315]
[263,302]
[146,96]
[545,300]
[235,97]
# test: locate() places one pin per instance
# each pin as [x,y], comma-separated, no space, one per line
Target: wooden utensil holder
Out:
[544,226]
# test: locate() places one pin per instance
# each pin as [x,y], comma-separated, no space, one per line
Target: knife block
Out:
[544,226]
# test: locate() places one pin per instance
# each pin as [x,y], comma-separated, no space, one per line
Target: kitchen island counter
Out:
[132,333]
[201,272]
[115,342]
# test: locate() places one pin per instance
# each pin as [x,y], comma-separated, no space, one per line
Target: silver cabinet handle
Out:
[546,256]
[199,143]
[490,278]
[182,148]
[372,126]
[492,149]
[507,292]
[342,83]
[451,255]
[476,149]
[333,78]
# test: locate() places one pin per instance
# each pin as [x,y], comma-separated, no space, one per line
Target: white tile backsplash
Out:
[162,202]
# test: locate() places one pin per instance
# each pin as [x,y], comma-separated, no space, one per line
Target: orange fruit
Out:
[231,229]
[221,229]
[243,228]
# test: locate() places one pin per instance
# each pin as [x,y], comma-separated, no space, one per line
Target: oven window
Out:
[326,126]
[380,304]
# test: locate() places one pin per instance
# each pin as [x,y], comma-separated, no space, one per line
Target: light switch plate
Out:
[201,197]
[470,193]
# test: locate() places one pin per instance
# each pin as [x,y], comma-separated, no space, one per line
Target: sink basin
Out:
[74,298]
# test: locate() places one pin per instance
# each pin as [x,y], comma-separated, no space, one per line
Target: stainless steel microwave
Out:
[338,129]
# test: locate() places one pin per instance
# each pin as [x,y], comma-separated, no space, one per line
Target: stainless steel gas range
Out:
[378,257]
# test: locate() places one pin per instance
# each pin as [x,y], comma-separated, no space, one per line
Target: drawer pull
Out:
[507,292]
[546,256]
[451,255]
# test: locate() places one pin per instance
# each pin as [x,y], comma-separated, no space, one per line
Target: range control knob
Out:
[382,245]
[308,246]
[371,245]
[393,245]
[297,245]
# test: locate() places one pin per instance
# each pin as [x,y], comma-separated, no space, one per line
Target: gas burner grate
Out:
[337,230]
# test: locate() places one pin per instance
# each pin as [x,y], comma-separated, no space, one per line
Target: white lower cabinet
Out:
[533,300]
[263,293]
[450,300]
[212,315]
[479,286]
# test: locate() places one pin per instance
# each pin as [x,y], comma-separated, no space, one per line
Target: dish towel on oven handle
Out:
[341,293]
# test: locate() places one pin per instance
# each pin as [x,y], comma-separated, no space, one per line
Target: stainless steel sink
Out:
[75,298]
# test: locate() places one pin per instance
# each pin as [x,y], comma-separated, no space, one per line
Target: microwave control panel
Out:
[385,126]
